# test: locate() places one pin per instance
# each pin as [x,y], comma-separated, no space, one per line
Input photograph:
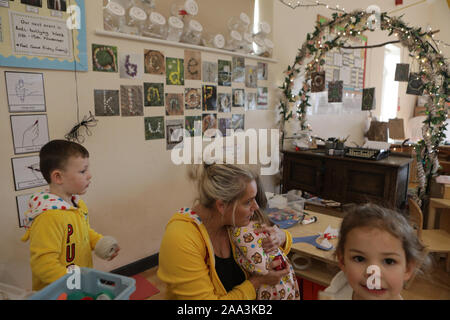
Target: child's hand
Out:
[115,253]
[275,238]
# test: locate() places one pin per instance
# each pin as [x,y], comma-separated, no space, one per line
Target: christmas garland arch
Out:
[433,71]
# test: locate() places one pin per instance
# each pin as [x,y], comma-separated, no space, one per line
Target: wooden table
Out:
[323,263]
[436,203]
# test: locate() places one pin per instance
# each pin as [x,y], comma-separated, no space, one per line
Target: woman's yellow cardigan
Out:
[187,264]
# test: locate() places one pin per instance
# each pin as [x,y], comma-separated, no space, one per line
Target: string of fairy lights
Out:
[304,4]
[293,4]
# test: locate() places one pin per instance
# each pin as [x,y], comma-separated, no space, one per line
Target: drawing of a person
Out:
[21,91]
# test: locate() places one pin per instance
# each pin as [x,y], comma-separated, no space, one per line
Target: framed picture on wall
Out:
[27,173]
[154,128]
[174,133]
[106,103]
[25,91]
[174,104]
[30,132]
[22,207]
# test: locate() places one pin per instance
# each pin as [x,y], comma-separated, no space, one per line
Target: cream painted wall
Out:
[135,187]
[291,27]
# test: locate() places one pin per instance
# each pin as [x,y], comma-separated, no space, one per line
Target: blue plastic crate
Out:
[92,282]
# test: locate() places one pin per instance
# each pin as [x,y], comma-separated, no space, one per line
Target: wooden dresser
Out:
[347,180]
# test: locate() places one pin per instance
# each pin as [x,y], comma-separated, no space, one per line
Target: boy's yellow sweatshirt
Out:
[187,264]
[59,235]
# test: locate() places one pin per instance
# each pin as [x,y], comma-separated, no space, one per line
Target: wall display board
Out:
[22,207]
[43,37]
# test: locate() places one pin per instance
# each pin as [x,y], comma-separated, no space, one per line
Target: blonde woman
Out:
[196,258]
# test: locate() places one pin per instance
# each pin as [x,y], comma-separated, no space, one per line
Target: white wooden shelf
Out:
[180,45]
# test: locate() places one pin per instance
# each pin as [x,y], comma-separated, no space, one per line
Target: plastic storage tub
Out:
[92,282]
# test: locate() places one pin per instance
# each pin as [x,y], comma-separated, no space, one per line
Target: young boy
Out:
[57,220]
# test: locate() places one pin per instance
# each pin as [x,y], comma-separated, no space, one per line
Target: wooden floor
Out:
[435,287]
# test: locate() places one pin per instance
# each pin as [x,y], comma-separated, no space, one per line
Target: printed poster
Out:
[43,38]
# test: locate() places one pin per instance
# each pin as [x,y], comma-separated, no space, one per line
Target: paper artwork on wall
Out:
[154,128]
[262,99]
[209,94]
[209,124]
[131,101]
[131,66]
[224,73]
[193,125]
[224,126]
[30,132]
[335,89]
[415,84]
[192,65]
[238,69]
[106,103]
[250,101]
[402,72]
[174,71]
[174,104]
[27,173]
[238,97]
[154,62]
[251,76]
[22,207]
[193,98]
[238,122]
[104,58]
[59,5]
[209,70]
[224,102]
[25,91]
[336,74]
[262,71]
[368,99]
[153,94]
[318,81]
[174,133]
[35,3]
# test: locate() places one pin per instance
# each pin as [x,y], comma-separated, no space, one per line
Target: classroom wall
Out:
[291,27]
[135,187]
